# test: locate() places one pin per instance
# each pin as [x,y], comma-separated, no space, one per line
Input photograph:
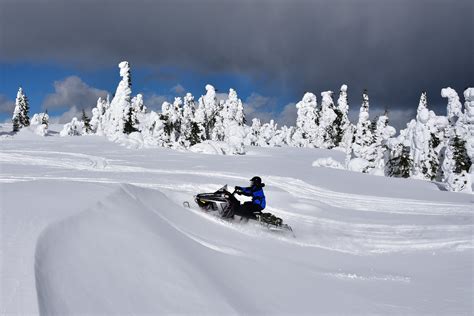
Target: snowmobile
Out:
[225,205]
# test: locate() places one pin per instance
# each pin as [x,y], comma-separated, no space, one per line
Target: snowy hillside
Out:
[89,226]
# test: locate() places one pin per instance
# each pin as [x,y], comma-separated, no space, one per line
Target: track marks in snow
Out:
[54,159]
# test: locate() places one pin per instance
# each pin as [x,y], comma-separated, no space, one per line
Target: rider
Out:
[255,190]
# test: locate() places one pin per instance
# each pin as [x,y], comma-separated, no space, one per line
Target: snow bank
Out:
[327,162]
[211,147]
[358,164]
[121,257]
[132,141]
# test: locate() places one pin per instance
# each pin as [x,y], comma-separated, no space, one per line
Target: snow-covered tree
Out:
[328,130]
[218,131]
[345,126]
[267,134]
[98,116]
[454,107]
[399,163]
[306,121]
[208,108]
[382,133]
[425,157]
[130,122]
[469,121]
[363,137]
[20,116]
[118,111]
[190,131]
[40,123]
[86,120]
[138,111]
[456,165]
[73,128]
[233,122]
[254,133]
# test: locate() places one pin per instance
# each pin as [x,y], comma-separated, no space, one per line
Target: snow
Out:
[103,231]
[211,147]
[327,162]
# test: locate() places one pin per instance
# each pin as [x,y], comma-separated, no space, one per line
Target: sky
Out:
[65,53]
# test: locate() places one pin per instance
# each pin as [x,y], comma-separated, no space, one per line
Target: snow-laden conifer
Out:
[267,134]
[208,109]
[40,123]
[73,128]
[98,116]
[382,133]
[328,130]
[469,121]
[306,121]
[86,120]
[345,126]
[253,134]
[20,116]
[118,111]
[232,122]
[363,137]
[190,133]
[454,108]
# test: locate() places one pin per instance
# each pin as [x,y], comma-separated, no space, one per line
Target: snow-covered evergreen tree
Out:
[267,134]
[130,122]
[306,121]
[190,132]
[425,157]
[73,128]
[86,120]
[456,165]
[329,130]
[400,162]
[233,122]
[208,109]
[382,133]
[254,133]
[363,137]
[454,107]
[40,123]
[117,113]
[138,111]
[469,122]
[98,116]
[346,128]
[219,130]
[20,116]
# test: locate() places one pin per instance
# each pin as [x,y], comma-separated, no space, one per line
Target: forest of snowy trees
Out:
[431,147]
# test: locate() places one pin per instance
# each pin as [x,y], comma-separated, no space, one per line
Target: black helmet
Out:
[257,181]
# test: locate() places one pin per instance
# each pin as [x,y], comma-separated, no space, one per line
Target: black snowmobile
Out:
[227,206]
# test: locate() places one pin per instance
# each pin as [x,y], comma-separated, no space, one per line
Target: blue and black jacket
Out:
[256,192]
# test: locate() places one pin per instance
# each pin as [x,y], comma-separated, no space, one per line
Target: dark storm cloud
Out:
[393,48]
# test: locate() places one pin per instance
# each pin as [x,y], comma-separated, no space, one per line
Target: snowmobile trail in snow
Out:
[119,248]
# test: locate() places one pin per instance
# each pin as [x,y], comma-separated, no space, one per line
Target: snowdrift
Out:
[137,252]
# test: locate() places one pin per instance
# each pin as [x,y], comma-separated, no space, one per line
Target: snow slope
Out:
[92,227]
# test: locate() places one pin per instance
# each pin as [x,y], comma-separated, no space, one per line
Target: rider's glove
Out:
[238,189]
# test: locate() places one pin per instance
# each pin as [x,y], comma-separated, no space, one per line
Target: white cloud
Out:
[6,105]
[178,89]
[73,92]
[154,101]
[67,116]
[261,107]
[288,115]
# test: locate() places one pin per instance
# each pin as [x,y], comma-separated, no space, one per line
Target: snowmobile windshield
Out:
[224,188]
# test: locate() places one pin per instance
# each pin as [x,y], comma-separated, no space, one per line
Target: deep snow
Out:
[89,226]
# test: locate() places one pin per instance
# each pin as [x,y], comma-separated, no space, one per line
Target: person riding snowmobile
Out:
[255,190]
